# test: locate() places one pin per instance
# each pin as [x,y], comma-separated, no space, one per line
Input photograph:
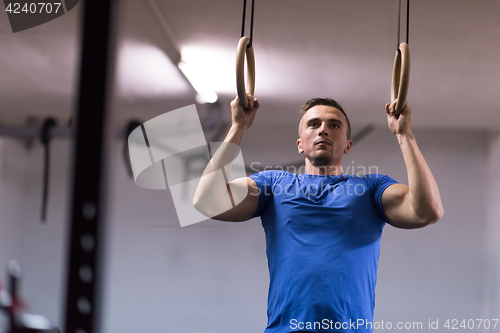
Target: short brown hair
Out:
[327,102]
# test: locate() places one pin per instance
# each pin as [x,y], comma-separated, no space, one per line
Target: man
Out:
[323,228]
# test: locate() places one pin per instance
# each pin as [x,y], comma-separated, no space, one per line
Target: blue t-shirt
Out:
[322,243]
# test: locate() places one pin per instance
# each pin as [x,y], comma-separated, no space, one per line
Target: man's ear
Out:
[347,149]
[299,146]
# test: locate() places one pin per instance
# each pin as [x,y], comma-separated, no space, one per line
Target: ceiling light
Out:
[145,71]
[199,81]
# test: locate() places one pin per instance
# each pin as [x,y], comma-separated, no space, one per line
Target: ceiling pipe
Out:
[175,53]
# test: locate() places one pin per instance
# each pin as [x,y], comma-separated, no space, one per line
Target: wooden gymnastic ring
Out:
[240,71]
[401,77]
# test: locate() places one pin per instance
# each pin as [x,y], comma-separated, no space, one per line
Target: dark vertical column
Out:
[84,274]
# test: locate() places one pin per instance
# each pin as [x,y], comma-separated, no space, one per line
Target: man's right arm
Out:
[210,192]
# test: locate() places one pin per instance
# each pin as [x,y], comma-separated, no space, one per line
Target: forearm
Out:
[215,194]
[423,190]
[214,186]
[227,150]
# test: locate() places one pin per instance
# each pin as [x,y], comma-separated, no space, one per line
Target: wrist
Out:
[235,134]
[405,137]
[238,128]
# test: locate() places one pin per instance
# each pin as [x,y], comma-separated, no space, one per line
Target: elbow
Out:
[435,216]
[203,205]
[197,203]
[198,206]
[201,208]
[439,214]
[196,200]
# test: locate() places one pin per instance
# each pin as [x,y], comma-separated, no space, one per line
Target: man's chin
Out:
[319,161]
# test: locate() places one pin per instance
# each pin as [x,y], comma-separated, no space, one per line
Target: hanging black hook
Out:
[131,126]
[45,137]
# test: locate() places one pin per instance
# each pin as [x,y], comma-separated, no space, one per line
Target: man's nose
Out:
[323,129]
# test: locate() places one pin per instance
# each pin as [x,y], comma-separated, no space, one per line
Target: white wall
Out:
[491,306]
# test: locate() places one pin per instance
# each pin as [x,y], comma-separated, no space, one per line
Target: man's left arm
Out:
[418,204]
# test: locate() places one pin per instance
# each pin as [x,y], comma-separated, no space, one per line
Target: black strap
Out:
[243,18]
[251,21]
[399,25]
[407,23]
[47,126]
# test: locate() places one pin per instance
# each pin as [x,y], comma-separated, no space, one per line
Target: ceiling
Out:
[303,49]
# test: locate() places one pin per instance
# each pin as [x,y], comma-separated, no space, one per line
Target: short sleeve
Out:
[378,184]
[266,181]
[263,180]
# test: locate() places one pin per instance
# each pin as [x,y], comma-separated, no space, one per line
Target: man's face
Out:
[323,137]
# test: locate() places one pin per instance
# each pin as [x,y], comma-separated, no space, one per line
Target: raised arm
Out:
[210,190]
[418,204]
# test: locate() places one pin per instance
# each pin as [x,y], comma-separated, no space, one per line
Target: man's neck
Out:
[323,170]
